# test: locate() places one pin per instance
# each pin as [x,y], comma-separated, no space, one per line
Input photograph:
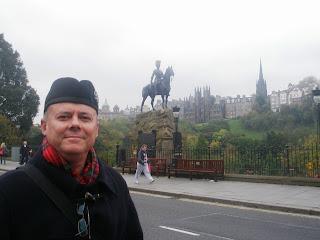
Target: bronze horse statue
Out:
[163,89]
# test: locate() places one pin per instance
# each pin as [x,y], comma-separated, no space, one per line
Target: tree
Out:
[18,101]
[34,136]
[261,100]
[202,142]
[221,138]
[261,105]
[247,142]
[111,132]
[188,127]
[7,131]
[207,129]
[276,139]
[307,81]
[192,141]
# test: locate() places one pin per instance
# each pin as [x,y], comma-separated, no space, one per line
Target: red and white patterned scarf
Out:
[91,168]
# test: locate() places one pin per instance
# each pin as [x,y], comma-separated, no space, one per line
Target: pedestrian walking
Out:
[142,165]
[65,191]
[24,153]
[3,153]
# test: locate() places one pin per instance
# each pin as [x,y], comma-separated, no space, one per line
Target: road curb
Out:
[5,170]
[279,208]
[306,211]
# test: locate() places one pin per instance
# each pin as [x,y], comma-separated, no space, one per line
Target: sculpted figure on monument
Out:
[157,74]
[160,85]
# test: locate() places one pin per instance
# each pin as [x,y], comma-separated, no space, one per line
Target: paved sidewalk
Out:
[9,165]
[289,198]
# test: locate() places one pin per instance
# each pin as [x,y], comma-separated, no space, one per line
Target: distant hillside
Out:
[236,128]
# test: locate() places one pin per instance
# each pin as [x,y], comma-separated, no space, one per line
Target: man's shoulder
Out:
[12,174]
[13,179]
[110,171]
[113,179]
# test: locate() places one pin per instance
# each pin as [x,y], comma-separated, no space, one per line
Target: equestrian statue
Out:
[160,85]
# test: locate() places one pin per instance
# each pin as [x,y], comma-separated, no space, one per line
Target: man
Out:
[158,75]
[24,153]
[98,195]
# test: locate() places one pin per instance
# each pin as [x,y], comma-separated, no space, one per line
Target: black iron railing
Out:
[298,161]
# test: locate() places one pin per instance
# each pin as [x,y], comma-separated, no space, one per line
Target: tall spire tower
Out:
[261,88]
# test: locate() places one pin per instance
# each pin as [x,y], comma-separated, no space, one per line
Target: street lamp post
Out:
[18,127]
[316,100]
[176,116]
[176,134]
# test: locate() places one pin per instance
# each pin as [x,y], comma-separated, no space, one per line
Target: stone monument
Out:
[161,123]
[160,126]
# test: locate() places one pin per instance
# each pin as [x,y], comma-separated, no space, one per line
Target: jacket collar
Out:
[70,186]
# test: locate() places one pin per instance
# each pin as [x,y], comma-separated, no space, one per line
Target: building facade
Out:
[239,106]
[106,115]
[293,95]
[202,107]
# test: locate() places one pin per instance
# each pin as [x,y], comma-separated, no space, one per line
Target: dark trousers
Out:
[24,159]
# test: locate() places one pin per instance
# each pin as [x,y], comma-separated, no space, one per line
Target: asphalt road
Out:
[164,218]
[168,218]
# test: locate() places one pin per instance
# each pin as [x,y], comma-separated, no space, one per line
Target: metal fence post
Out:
[117,154]
[288,168]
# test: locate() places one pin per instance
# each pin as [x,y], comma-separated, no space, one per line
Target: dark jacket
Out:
[4,152]
[27,213]
[24,150]
[141,157]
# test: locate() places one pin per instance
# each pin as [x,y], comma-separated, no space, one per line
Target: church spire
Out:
[261,87]
[260,74]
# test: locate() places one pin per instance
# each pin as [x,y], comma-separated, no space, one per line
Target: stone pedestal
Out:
[159,122]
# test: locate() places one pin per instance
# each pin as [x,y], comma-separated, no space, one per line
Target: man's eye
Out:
[85,118]
[63,117]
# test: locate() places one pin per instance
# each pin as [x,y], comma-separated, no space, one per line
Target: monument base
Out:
[160,123]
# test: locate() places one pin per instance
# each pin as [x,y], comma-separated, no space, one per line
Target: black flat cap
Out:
[71,90]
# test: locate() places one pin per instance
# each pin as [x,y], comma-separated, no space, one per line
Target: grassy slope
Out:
[236,128]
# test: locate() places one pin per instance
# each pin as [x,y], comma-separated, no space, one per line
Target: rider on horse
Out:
[162,85]
[158,74]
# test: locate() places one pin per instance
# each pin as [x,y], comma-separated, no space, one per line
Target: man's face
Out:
[144,148]
[70,128]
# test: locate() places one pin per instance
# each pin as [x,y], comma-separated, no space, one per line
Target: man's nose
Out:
[75,121]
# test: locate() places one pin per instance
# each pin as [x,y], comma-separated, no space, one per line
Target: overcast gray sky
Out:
[209,43]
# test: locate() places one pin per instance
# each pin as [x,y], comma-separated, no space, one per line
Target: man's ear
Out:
[97,130]
[44,127]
